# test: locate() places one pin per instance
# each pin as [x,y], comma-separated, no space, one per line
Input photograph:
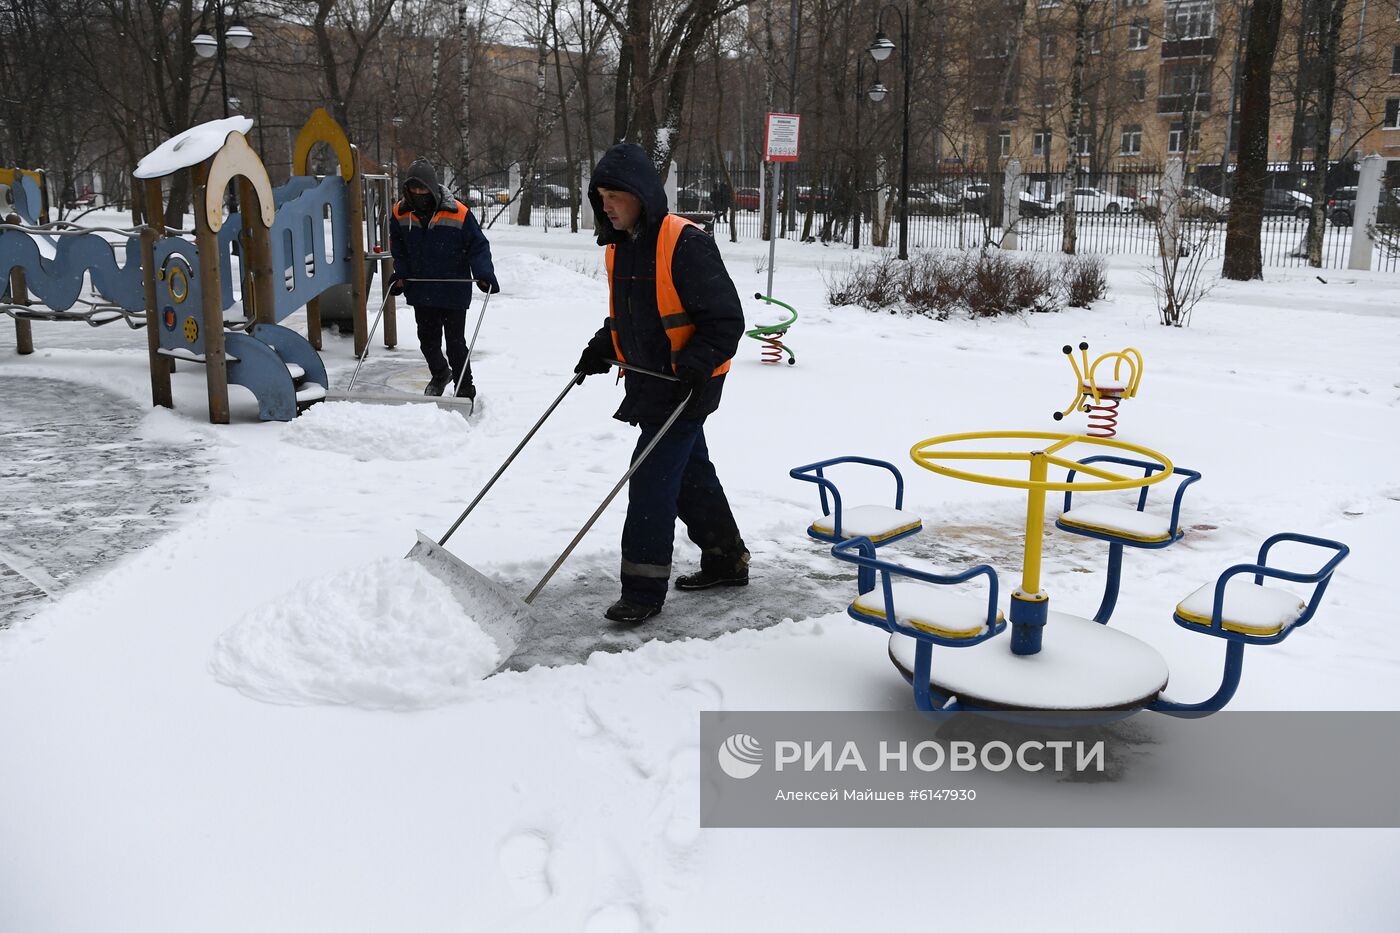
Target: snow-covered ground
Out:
[264,720]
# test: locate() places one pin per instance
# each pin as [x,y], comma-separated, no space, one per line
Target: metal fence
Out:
[961,209]
[964,210]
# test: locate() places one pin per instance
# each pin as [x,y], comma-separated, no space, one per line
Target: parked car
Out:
[499,195]
[1341,206]
[1195,204]
[1095,200]
[693,197]
[817,196]
[747,199]
[932,203]
[1280,202]
[975,199]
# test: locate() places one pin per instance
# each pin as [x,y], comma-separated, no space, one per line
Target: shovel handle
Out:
[636,464]
[573,381]
[368,340]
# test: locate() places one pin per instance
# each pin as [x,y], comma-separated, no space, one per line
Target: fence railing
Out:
[961,209]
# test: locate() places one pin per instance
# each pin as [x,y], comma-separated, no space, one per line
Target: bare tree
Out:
[1243,255]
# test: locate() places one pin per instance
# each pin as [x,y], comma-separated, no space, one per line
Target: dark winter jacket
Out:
[445,243]
[701,281]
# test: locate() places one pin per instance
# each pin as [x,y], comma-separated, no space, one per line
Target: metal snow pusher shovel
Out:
[500,613]
[380,397]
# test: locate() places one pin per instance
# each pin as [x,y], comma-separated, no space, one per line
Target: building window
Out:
[1086,144]
[1137,81]
[1186,86]
[1190,19]
[1004,139]
[1047,46]
[1132,3]
[1392,113]
[1047,92]
[1047,4]
[1040,143]
[1176,137]
[1139,31]
[1395,60]
[1130,143]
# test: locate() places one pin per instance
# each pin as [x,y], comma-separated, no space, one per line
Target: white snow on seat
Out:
[295,371]
[310,392]
[876,522]
[1114,519]
[1106,385]
[1248,609]
[1081,665]
[928,607]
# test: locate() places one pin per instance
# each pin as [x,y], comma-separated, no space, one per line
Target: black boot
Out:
[465,388]
[723,577]
[438,384]
[624,611]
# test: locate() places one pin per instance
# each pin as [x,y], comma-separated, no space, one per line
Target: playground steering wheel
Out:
[926,456]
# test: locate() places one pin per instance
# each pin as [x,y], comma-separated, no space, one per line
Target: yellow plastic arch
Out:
[1128,356]
[1108,480]
[7,175]
[321,128]
[236,158]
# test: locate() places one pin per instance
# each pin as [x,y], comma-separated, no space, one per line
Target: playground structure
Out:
[293,244]
[1099,396]
[943,627]
[770,335]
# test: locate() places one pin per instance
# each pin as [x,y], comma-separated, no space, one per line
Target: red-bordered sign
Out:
[782,137]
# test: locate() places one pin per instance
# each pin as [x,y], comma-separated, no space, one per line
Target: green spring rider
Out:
[770,335]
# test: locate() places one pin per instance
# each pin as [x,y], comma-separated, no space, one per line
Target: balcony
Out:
[1189,48]
[1181,103]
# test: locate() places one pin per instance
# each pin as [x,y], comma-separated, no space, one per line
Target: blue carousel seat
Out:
[881,524]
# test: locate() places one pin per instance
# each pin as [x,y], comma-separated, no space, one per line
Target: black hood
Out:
[422,171]
[626,167]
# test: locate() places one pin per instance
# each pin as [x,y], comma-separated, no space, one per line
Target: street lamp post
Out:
[880,50]
[876,93]
[216,46]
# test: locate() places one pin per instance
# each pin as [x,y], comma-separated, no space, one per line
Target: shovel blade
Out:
[499,612]
[464,406]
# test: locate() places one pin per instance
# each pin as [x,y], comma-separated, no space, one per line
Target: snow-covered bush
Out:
[983,284]
[1085,280]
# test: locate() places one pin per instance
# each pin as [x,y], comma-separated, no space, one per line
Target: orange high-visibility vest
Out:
[451,218]
[673,315]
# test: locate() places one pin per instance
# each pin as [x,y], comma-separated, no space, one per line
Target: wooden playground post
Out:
[358,287]
[160,366]
[256,256]
[207,243]
[19,295]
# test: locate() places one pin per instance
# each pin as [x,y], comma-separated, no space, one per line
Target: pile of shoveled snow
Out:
[387,635]
[380,432]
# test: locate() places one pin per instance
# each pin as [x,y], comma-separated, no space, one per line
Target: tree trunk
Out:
[1069,237]
[1243,257]
[1328,19]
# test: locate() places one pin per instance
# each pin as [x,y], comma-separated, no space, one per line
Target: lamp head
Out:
[881,48]
[239,36]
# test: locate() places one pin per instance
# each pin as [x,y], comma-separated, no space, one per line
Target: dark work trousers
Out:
[433,325]
[677,480]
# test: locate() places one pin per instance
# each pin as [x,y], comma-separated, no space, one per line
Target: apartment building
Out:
[1159,80]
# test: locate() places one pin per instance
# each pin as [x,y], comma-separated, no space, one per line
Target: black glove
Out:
[488,284]
[692,383]
[396,286]
[591,363]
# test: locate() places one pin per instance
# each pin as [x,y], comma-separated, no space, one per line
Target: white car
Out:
[1095,199]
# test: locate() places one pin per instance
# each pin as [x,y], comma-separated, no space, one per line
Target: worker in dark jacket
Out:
[673,308]
[434,236]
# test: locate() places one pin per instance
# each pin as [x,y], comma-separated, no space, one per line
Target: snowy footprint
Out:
[524,860]
[615,918]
